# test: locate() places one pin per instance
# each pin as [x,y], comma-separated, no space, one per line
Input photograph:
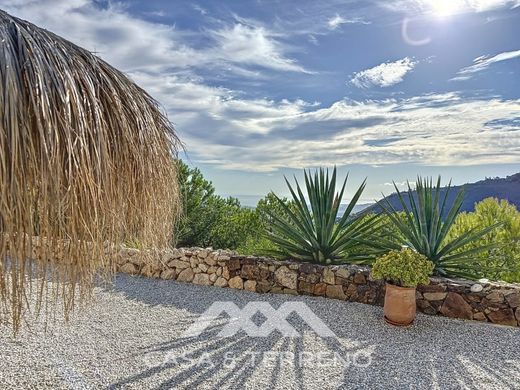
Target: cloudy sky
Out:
[385,89]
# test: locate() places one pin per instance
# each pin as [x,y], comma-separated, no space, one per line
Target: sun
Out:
[445,8]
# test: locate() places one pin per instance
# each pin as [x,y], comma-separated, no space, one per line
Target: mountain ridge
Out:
[507,188]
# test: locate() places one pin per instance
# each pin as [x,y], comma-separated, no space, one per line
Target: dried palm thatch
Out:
[86,163]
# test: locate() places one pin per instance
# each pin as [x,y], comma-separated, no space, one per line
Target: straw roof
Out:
[86,158]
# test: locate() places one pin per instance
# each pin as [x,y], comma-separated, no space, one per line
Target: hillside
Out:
[502,188]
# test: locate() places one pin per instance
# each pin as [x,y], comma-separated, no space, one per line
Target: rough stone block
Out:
[495,297]
[435,296]
[513,300]
[343,273]
[479,316]
[503,317]
[336,292]
[236,282]
[263,286]
[328,276]
[250,285]
[129,268]
[233,264]
[359,278]
[286,277]
[186,275]
[305,288]
[320,289]
[456,307]
[221,282]
[168,274]
[179,264]
[202,279]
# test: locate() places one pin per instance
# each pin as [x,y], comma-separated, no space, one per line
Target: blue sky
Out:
[258,89]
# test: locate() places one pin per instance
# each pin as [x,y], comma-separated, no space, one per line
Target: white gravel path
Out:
[131,337]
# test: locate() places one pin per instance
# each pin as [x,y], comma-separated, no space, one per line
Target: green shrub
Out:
[404,267]
[258,246]
[258,243]
[209,219]
[501,262]
[317,234]
[425,230]
[234,225]
[199,212]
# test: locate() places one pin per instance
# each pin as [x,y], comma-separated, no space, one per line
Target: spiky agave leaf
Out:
[86,162]
[425,230]
[316,234]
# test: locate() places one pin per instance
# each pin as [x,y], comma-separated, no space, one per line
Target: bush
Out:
[209,219]
[502,262]
[405,268]
[258,243]
[234,225]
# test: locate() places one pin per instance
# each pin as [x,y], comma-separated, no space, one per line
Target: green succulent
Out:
[404,267]
[428,218]
[315,231]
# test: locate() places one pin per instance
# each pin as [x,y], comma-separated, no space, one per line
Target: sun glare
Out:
[445,8]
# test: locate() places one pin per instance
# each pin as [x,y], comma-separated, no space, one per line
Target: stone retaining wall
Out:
[493,302]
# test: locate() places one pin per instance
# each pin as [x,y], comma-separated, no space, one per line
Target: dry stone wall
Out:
[498,303]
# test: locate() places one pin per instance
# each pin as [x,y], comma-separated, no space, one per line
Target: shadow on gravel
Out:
[434,353]
[270,363]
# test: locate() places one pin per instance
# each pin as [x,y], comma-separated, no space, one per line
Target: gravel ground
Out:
[132,337]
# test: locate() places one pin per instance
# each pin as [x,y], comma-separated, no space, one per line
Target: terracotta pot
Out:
[400,306]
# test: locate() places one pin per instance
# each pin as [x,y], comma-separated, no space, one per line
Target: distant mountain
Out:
[357,208]
[502,188]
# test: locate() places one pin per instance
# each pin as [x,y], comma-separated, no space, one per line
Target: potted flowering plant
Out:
[403,270]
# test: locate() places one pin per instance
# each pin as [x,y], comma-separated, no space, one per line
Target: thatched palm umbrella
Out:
[86,162]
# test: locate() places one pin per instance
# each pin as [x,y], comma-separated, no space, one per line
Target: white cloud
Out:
[447,6]
[383,75]
[252,45]
[126,42]
[266,135]
[221,127]
[488,5]
[133,44]
[200,9]
[484,62]
[337,20]
[398,184]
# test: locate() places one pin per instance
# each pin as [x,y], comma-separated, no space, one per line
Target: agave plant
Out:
[317,233]
[425,229]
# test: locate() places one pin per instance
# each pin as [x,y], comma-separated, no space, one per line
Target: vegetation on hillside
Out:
[502,261]
[309,227]
[209,220]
